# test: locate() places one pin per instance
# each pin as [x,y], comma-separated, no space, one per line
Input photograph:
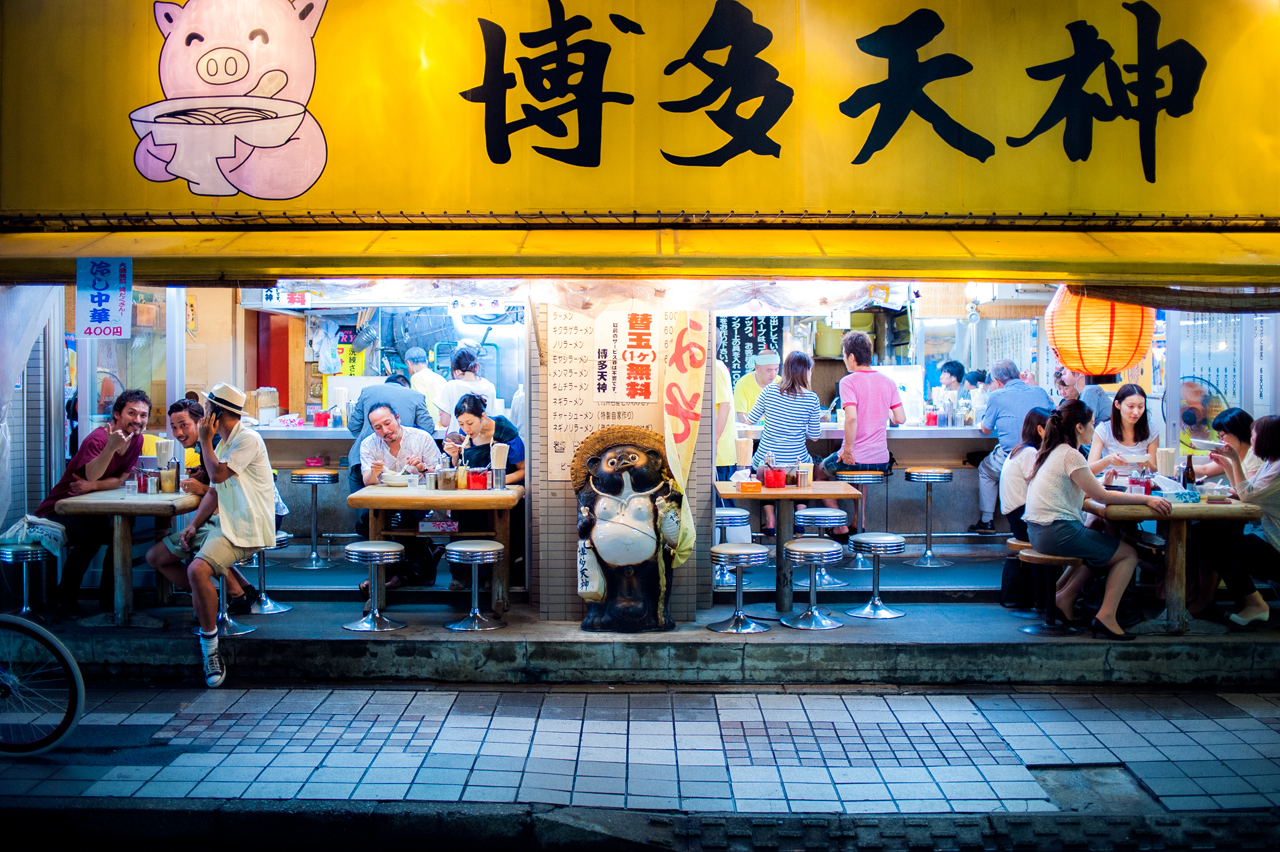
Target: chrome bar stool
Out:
[727,517]
[1043,564]
[228,626]
[861,479]
[27,556]
[877,544]
[1016,546]
[814,552]
[474,552]
[734,556]
[929,475]
[821,518]
[343,537]
[377,555]
[315,477]
[264,605]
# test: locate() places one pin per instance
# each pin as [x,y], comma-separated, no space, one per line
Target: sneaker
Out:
[243,605]
[983,527]
[215,671]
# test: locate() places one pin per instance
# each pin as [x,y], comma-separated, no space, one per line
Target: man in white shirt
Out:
[395,448]
[244,499]
[422,378]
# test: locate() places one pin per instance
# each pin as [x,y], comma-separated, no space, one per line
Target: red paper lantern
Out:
[1097,337]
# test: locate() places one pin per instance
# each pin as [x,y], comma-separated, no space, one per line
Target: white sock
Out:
[208,643]
[987,516]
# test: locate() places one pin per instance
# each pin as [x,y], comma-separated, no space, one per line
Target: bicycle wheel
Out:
[41,689]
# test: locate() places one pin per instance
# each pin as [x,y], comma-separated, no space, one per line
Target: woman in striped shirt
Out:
[790,414]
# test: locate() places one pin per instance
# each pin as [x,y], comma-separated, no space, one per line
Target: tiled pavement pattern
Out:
[749,752]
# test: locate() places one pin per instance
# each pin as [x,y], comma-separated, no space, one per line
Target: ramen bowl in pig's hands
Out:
[205,130]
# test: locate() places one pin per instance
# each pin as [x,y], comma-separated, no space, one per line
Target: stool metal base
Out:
[768,611]
[266,606]
[1051,630]
[860,563]
[374,622]
[227,626]
[726,578]
[875,609]
[825,581]
[928,560]
[313,563]
[738,623]
[1026,613]
[812,619]
[475,621]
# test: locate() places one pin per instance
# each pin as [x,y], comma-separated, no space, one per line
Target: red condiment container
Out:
[774,477]
[477,480]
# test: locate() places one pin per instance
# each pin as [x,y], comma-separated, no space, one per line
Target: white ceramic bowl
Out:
[1136,459]
[1214,491]
[395,480]
[1201,444]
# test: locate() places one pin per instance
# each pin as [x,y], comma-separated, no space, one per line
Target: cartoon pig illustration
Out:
[236,75]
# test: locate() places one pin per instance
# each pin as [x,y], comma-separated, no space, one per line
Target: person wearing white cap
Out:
[422,378]
[242,495]
[748,388]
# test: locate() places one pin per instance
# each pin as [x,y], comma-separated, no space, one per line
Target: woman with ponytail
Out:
[1060,482]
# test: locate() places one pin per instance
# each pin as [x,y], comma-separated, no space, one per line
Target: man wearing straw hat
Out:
[764,373]
[242,495]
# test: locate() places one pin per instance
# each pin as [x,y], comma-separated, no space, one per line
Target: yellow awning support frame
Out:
[250,257]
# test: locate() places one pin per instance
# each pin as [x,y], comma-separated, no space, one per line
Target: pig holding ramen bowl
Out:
[236,76]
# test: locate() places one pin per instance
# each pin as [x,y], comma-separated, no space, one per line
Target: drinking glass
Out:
[131,487]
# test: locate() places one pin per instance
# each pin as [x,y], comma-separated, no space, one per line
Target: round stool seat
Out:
[18,553]
[314,476]
[860,477]
[476,552]
[282,541]
[374,552]
[821,517]
[739,553]
[814,551]
[1034,557]
[928,474]
[248,561]
[1017,545]
[876,542]
[731,517]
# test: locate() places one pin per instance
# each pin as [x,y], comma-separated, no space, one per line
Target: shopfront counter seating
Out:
[735,556]
[862,479]
[475,552]
[264,605]
[377,555]
[727,517]
[315,477]
[1047,570]
[877,544]
[28,557]
[228,626]
[928,475]
[812,553]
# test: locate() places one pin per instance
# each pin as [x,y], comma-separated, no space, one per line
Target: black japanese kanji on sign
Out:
[744,75]
[1079,109]
[902,93]
[550,76]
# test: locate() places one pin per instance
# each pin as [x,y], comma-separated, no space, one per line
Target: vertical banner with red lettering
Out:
[104,297]
[682,381]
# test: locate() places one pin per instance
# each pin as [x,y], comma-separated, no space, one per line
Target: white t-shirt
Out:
[413,442]
[246,501]
[1013,479]
[1111,444]
[1051,494]
[1263,490]
[456,389]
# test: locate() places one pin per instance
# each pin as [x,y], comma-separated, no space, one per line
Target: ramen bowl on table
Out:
[1214,492]
[205,130]
[396,480]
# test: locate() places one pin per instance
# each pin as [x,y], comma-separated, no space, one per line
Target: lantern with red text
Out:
[1096,337]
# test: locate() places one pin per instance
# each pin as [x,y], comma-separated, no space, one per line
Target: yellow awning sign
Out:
[401,106]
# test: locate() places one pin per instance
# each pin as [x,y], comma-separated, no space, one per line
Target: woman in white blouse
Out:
[1059,484]
[1126,433]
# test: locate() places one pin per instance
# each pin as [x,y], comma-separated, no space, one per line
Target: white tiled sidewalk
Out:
[745,752]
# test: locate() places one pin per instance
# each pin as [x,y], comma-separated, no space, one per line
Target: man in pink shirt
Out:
[870,400]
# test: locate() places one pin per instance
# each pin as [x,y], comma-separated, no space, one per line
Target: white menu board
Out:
[592,380]
[1211,352]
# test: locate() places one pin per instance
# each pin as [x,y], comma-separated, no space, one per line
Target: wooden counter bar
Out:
[786,499]
[382,499]
[122,507]
[1175,581]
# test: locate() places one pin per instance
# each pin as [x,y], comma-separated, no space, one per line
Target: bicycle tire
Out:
[49,682]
